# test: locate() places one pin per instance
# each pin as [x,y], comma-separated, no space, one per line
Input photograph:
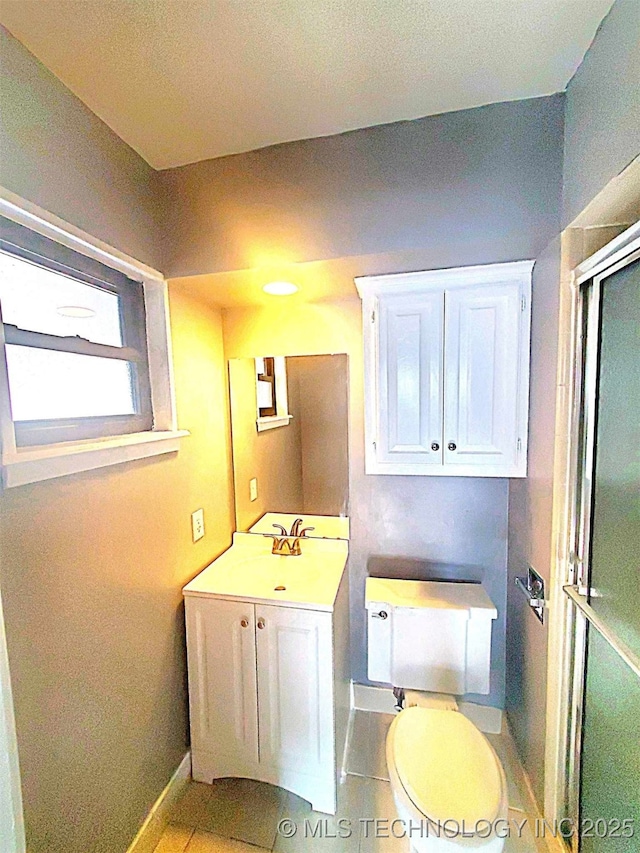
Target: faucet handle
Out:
[295,527]
[304,532]
[282,529]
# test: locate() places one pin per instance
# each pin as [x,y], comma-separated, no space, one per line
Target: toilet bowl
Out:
[447,782]
[431,641]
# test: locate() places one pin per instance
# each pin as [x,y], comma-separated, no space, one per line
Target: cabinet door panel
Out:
[410,379]
[222,677]
[295,688]
[482,333]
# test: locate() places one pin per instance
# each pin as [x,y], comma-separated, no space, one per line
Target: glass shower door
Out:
[607,595]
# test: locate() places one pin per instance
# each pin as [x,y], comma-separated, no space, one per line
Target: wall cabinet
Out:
[269,693]
[447,371]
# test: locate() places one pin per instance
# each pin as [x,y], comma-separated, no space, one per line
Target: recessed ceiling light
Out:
[79,312]
[280,288]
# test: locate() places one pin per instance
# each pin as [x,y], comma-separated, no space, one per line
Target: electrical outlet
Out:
[253,489]
[197,524]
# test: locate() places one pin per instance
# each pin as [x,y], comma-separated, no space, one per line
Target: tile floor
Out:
[242,816]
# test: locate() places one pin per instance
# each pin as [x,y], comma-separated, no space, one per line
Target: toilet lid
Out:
[446,766]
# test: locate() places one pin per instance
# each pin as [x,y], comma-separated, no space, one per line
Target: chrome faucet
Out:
[288,544]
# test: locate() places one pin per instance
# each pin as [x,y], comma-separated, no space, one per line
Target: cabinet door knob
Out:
[435,445]
[451,445]
[261,624]
[244,623]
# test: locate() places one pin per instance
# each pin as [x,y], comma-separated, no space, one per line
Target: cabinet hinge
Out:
[523,303]
[374,444]
[519,445]
[373,316]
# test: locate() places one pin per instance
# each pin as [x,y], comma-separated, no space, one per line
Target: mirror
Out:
[290,451]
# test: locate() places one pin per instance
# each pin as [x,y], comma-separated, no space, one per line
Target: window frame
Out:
[280,416]
[133,349]
[23,464]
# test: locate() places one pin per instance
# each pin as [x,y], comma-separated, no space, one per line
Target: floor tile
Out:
[521,837]
[320,833]
[191,806]
[358,756]
[386,834]
[514,789]
[207,842]
[174,839]
[244,810]
[379,727]
[367,754]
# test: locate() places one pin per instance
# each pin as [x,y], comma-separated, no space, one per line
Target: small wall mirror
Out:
[289,432]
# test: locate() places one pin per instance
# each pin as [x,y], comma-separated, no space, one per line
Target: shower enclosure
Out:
[603,772]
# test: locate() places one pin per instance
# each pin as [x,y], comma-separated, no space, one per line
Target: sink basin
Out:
[266,572]
[248,571]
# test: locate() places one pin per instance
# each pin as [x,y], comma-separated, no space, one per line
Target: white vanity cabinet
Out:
[269,689]
[447,371]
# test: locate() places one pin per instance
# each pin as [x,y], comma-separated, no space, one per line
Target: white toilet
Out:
[433,640]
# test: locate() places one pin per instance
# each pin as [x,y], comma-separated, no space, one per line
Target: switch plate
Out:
[253,489]
[197,524]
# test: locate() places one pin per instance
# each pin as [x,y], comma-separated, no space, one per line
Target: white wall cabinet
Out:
[447,371]
[269,693]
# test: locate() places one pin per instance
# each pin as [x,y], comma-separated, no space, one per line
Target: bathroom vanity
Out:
[267,649]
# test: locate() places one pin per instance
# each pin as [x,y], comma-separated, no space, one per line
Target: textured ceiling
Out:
[186,80]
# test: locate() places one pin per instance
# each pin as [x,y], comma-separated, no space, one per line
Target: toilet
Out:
[431,641]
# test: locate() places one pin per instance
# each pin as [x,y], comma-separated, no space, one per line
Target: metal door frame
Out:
[579,615]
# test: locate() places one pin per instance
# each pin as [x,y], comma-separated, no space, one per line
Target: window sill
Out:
[33,464]
[271,423]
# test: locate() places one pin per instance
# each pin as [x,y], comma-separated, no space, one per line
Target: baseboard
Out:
[549,843]
[381,700]
[485,717]
[154,825]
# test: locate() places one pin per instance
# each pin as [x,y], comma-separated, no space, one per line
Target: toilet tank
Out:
[429,635]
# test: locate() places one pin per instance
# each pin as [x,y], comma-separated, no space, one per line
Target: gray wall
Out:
[602,133]
[530,513]
[93,564]
[473,187]
[57,154]
[474,184]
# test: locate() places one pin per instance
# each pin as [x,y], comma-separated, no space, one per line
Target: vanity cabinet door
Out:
[295,678]
[482,372]
[223,696]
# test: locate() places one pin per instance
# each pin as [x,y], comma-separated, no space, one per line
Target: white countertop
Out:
[326,526]
[248,571]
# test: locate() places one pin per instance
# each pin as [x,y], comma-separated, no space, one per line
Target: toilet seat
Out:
[446,767]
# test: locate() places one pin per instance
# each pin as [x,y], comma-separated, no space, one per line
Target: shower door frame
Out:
[569,609]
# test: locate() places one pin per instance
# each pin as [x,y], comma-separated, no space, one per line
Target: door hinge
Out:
[374,445]
[523,303]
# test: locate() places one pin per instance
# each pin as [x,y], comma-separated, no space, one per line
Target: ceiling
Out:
[187,80]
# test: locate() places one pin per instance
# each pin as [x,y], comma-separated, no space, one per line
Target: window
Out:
[86,376]
[75,342]
[271,393]
[266,378]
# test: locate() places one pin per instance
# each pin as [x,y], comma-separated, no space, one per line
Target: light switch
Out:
[197,524]
[253,489]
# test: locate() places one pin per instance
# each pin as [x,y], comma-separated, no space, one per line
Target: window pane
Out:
[41,300]
[46,384]
[615,545]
